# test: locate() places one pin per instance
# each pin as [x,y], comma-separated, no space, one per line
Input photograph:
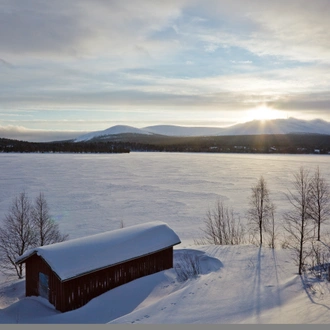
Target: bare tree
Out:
[319,207]
[121,224]
[46,229]
[319,259]
[222,227]
[24,227]
[260,208]
[297,221]
[272,227]
[16,234]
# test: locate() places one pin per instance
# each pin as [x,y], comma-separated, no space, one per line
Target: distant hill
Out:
[118,129]
[273,136]
[172,130]
[280,126]
[255,127]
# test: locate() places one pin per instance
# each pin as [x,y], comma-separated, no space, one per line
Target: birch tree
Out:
[46,229]
[260,209]
[16,235]
[297,221]
[272,227]
[26,226]
[319,207]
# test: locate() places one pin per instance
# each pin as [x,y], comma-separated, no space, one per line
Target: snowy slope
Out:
[280,126]
[172,130]
[237,284]
[118,129]
[275,126]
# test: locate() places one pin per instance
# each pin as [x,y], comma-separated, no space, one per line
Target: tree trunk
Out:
[301,247]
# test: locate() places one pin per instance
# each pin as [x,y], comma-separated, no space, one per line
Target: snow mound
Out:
[206,263]
[29,310]
[11,292]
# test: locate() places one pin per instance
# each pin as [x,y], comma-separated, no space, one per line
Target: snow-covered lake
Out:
[91,193]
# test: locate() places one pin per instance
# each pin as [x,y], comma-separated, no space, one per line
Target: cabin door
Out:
[43,286]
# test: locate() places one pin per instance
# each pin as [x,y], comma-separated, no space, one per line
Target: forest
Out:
[8,145]
[124,143]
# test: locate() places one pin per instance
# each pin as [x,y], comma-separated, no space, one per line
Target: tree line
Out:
[7,145]
[309,200]
[121,143]
[261,143]
[27,225]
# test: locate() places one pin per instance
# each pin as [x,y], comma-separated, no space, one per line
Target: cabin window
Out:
[43,286]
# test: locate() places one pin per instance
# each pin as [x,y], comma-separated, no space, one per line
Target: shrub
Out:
[187,266]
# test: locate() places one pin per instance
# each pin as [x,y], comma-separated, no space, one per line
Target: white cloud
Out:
[143,54]
[65,28]
[295,29]
[211,48]
[31,135]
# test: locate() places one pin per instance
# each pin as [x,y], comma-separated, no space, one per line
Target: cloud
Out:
[308,102]
[5,63]
[85,28]
[300,33]
[115,28]
[241,62]
[25,134]
[141,55]
[149,89]
[296,29]
[39,27]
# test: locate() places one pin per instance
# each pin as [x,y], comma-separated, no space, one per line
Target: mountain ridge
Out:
[254,127]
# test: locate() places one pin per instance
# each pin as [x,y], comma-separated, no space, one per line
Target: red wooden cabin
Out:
[71,273]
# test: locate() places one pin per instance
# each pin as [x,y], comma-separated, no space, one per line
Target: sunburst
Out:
[264,112]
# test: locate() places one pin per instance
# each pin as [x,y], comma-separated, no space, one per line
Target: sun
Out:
[264,112]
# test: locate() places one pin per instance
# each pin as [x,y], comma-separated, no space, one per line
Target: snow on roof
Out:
[81,255]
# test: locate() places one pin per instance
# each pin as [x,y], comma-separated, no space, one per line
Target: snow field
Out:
[237,285]
[89,194]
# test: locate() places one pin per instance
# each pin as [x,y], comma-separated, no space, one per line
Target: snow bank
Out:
[238,285]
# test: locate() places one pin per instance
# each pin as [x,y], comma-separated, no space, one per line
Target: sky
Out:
[81,66]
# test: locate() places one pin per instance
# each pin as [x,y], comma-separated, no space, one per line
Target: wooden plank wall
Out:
[34,265]
[79,291]
[75,293]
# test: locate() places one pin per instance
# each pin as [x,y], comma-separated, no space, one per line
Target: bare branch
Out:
[260,211]
[297,221]
[319,207]
[222,227]
[16,234]
[47,230]
[26,226]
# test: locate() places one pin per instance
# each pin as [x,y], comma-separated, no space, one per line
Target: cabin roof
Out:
[78,256]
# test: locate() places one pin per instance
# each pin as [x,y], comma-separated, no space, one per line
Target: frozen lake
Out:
[90,193]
